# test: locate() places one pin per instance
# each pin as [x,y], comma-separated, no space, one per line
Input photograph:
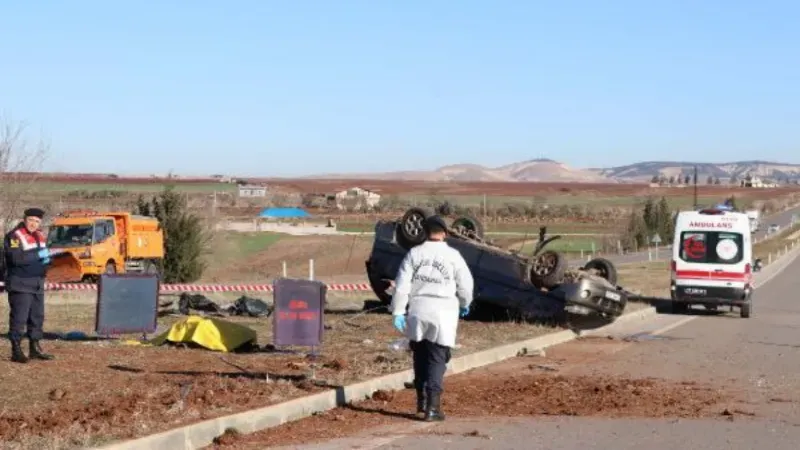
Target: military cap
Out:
[34,212]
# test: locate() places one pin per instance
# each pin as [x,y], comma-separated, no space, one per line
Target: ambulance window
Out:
[711,247]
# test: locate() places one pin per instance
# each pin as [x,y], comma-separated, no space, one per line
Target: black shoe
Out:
[17,355]
[433,412]
[420,401]
[36,351]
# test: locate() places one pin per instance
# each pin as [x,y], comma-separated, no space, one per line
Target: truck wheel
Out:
[547,270]
[150,268]
[605,269]
[744,310]
[111,269]
[469,224]
[411,229]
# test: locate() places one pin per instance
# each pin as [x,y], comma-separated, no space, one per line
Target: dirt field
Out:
[389,187]
[57,404]
[526,386]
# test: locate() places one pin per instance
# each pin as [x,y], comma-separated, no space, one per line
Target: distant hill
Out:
[541,170]
[645,171]
[547,170]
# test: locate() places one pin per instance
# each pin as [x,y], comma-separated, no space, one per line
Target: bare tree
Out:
[21,160]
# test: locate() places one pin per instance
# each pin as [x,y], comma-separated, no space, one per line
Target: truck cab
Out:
[91,239]
[95,243]
[712,261]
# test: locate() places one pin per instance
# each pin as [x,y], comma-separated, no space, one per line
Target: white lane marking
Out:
[380,442]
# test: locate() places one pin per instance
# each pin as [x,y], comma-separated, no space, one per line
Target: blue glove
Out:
[464,312]
[400,323]
[44,253]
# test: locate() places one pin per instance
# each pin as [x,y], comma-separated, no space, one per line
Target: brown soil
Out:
[517,388]
[95,391]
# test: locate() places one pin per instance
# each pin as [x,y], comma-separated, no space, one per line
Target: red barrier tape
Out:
[168,288]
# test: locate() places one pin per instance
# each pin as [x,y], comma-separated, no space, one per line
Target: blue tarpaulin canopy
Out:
[284,213]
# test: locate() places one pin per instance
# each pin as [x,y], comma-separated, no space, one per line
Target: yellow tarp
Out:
[211,333]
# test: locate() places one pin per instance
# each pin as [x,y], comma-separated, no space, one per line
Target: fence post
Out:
[769,258]
[310,269]
[283,263]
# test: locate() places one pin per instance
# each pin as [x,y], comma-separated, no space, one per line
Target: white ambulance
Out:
[711,260]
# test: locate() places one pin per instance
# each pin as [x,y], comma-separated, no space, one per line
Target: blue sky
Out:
[282,88]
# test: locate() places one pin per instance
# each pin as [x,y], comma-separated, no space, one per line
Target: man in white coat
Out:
[436,285]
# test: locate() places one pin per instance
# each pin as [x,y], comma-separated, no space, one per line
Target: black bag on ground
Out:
[196,302]
[253,307]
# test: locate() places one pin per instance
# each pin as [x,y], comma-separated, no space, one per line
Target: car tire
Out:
[605,269]
[410,228]
[470,223]
[547,269]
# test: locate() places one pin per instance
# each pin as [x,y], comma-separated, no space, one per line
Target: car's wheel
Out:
[469,224]
[547,270]
[604,268]
[744,310]
[411,226]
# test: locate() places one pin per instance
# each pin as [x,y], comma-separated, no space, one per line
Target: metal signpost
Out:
[656,239]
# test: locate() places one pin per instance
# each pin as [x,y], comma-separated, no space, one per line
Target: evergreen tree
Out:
[649,214]
[710,180]
[142,206]
[665,227]
[636,232]
[185,239]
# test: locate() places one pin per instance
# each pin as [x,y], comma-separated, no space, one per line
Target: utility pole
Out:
[695,187]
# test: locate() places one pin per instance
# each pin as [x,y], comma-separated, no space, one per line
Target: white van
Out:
[711,260]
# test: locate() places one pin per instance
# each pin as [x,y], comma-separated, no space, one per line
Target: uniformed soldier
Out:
[436,285]
[26,260]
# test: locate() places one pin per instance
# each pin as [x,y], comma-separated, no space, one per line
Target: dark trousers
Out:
[430,364]
[27,311]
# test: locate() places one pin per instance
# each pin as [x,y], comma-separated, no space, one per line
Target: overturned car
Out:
[540,286]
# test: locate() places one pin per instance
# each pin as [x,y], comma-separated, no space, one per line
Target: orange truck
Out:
[94,243]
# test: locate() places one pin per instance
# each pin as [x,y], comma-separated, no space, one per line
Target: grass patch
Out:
[357,226]
[776,245]
[249,243]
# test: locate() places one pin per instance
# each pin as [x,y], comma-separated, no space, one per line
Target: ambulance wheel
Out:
[744,310]
[680,308]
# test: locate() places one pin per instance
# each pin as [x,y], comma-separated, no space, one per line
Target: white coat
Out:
[434,282]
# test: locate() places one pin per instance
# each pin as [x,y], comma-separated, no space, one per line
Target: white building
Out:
[357,198]
[250,190]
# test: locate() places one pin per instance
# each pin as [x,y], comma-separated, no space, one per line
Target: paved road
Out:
[783,219]
[759,357]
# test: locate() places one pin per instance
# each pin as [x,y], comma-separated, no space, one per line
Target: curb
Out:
[202,434]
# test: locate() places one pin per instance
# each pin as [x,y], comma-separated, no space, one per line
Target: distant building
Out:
[356,198]
[252,190]
[753,181]
[222,178]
